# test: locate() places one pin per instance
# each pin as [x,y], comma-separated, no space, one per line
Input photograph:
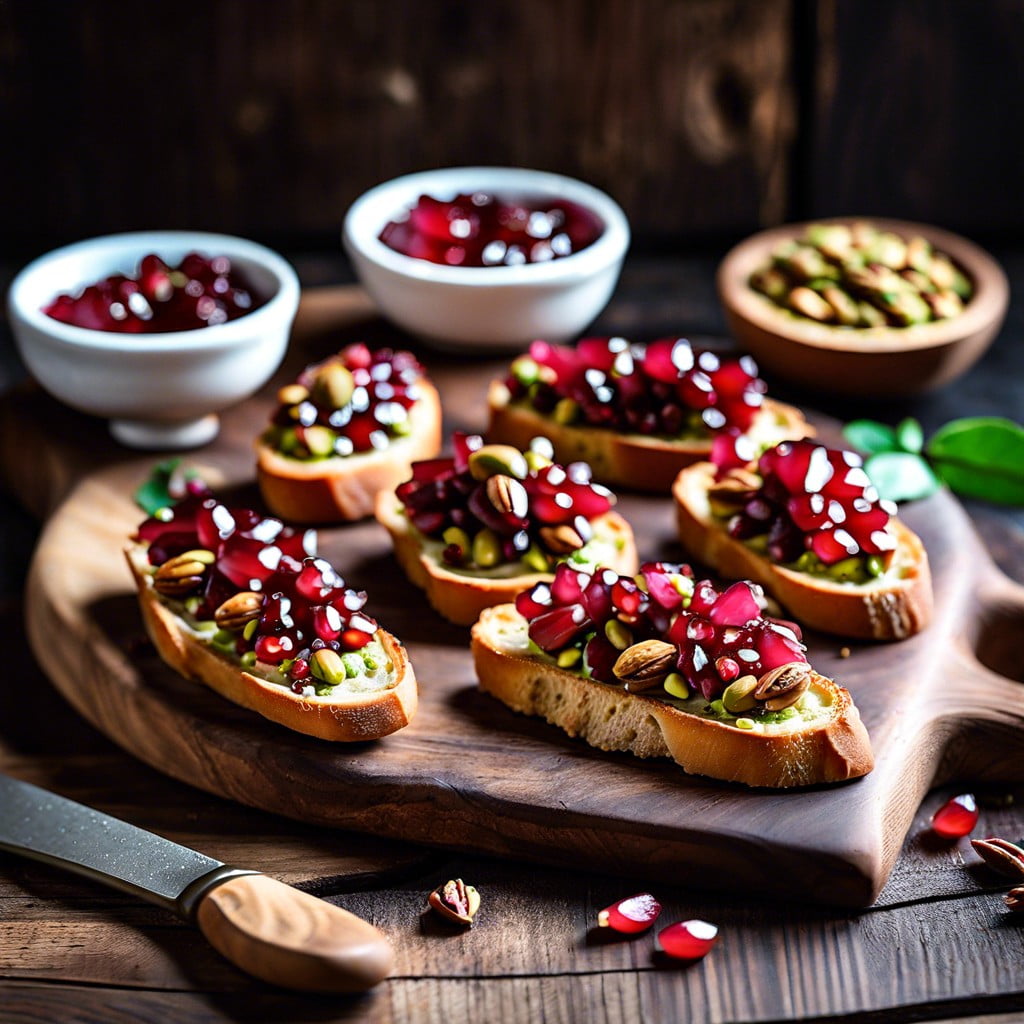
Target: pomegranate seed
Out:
[688,940]
[480,230]
[631,915]
[153,301]
[956,817]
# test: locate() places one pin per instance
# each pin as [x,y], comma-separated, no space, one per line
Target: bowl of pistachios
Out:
[863,307]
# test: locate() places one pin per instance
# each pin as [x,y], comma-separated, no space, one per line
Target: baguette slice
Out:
[893,606]
[830,747]
[627,460]
[461,597]
[348,717]
[344,488]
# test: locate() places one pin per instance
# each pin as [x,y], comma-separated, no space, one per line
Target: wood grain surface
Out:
[468,773]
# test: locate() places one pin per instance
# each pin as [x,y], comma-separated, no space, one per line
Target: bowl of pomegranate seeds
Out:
[868,308]
[155,331]
[487,257]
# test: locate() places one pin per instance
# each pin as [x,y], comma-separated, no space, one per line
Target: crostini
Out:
[475,529]
[346,429]
[637,414]
[806,523]
[664,665]
[241,603]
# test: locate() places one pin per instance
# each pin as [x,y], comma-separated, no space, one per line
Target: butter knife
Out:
[262,925]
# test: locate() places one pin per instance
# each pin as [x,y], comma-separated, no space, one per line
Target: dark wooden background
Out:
[705,118]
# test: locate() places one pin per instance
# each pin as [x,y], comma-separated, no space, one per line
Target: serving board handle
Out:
[983,709]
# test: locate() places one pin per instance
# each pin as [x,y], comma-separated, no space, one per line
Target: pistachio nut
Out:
[292,394]
[1001,855]
[183,574]
[644,665]
[493,459]
[507,495]
[239,610]
[327,666]
[455,901]
[739,695]
[783,686]
[486,549]
[618,634]
[561,539]
[1014,899]
[859,276]
[810,304]
[333,385]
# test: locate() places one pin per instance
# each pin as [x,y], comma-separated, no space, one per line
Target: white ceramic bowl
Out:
[481,308]
[160,391]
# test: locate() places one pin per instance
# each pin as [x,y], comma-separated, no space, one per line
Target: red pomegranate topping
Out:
[356,401]
[688,940]
[200,292]
[632,915]
[274,600]
[663,388]
[956,817]
[815,506]
[493,504]
[480,230]
[586,620]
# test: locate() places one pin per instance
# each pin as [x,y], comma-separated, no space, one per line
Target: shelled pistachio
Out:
[857,275]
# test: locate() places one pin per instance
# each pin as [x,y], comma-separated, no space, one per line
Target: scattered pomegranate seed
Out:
[631,915]
[956,817]
[688,940]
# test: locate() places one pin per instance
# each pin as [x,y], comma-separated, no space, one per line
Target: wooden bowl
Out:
[864,362]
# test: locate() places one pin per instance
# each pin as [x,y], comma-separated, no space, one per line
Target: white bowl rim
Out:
[282,303]
[369,213]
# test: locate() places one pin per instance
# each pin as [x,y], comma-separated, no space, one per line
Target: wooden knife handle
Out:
[290,938]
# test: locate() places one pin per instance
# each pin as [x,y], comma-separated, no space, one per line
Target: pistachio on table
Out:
[455,901]
[860,276]
[1001,855]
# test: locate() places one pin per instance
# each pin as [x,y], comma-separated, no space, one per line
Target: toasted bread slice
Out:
[461,596]
[347,715]
[341,489]
[895,605]
[825,742]
[634,461]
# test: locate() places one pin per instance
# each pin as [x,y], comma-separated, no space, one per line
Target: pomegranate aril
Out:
[956,817]
[554,629]
[688,940]
[600,656]
[568,584]
[631,915]
[736,606]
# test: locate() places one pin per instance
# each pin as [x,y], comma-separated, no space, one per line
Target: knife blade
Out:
[262,925]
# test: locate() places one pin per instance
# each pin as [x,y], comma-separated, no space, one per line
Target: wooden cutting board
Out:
[468,773]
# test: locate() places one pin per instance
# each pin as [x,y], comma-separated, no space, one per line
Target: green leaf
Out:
[901,476]
[165,486]
[981,457]
[870,436]
[909,436]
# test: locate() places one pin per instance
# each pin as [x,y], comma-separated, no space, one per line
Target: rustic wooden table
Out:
[937,945]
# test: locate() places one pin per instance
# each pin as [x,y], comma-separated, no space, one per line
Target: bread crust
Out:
[461,598]
[354,718]
[626,460]
[892,607]
[609,718]
[343,489]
